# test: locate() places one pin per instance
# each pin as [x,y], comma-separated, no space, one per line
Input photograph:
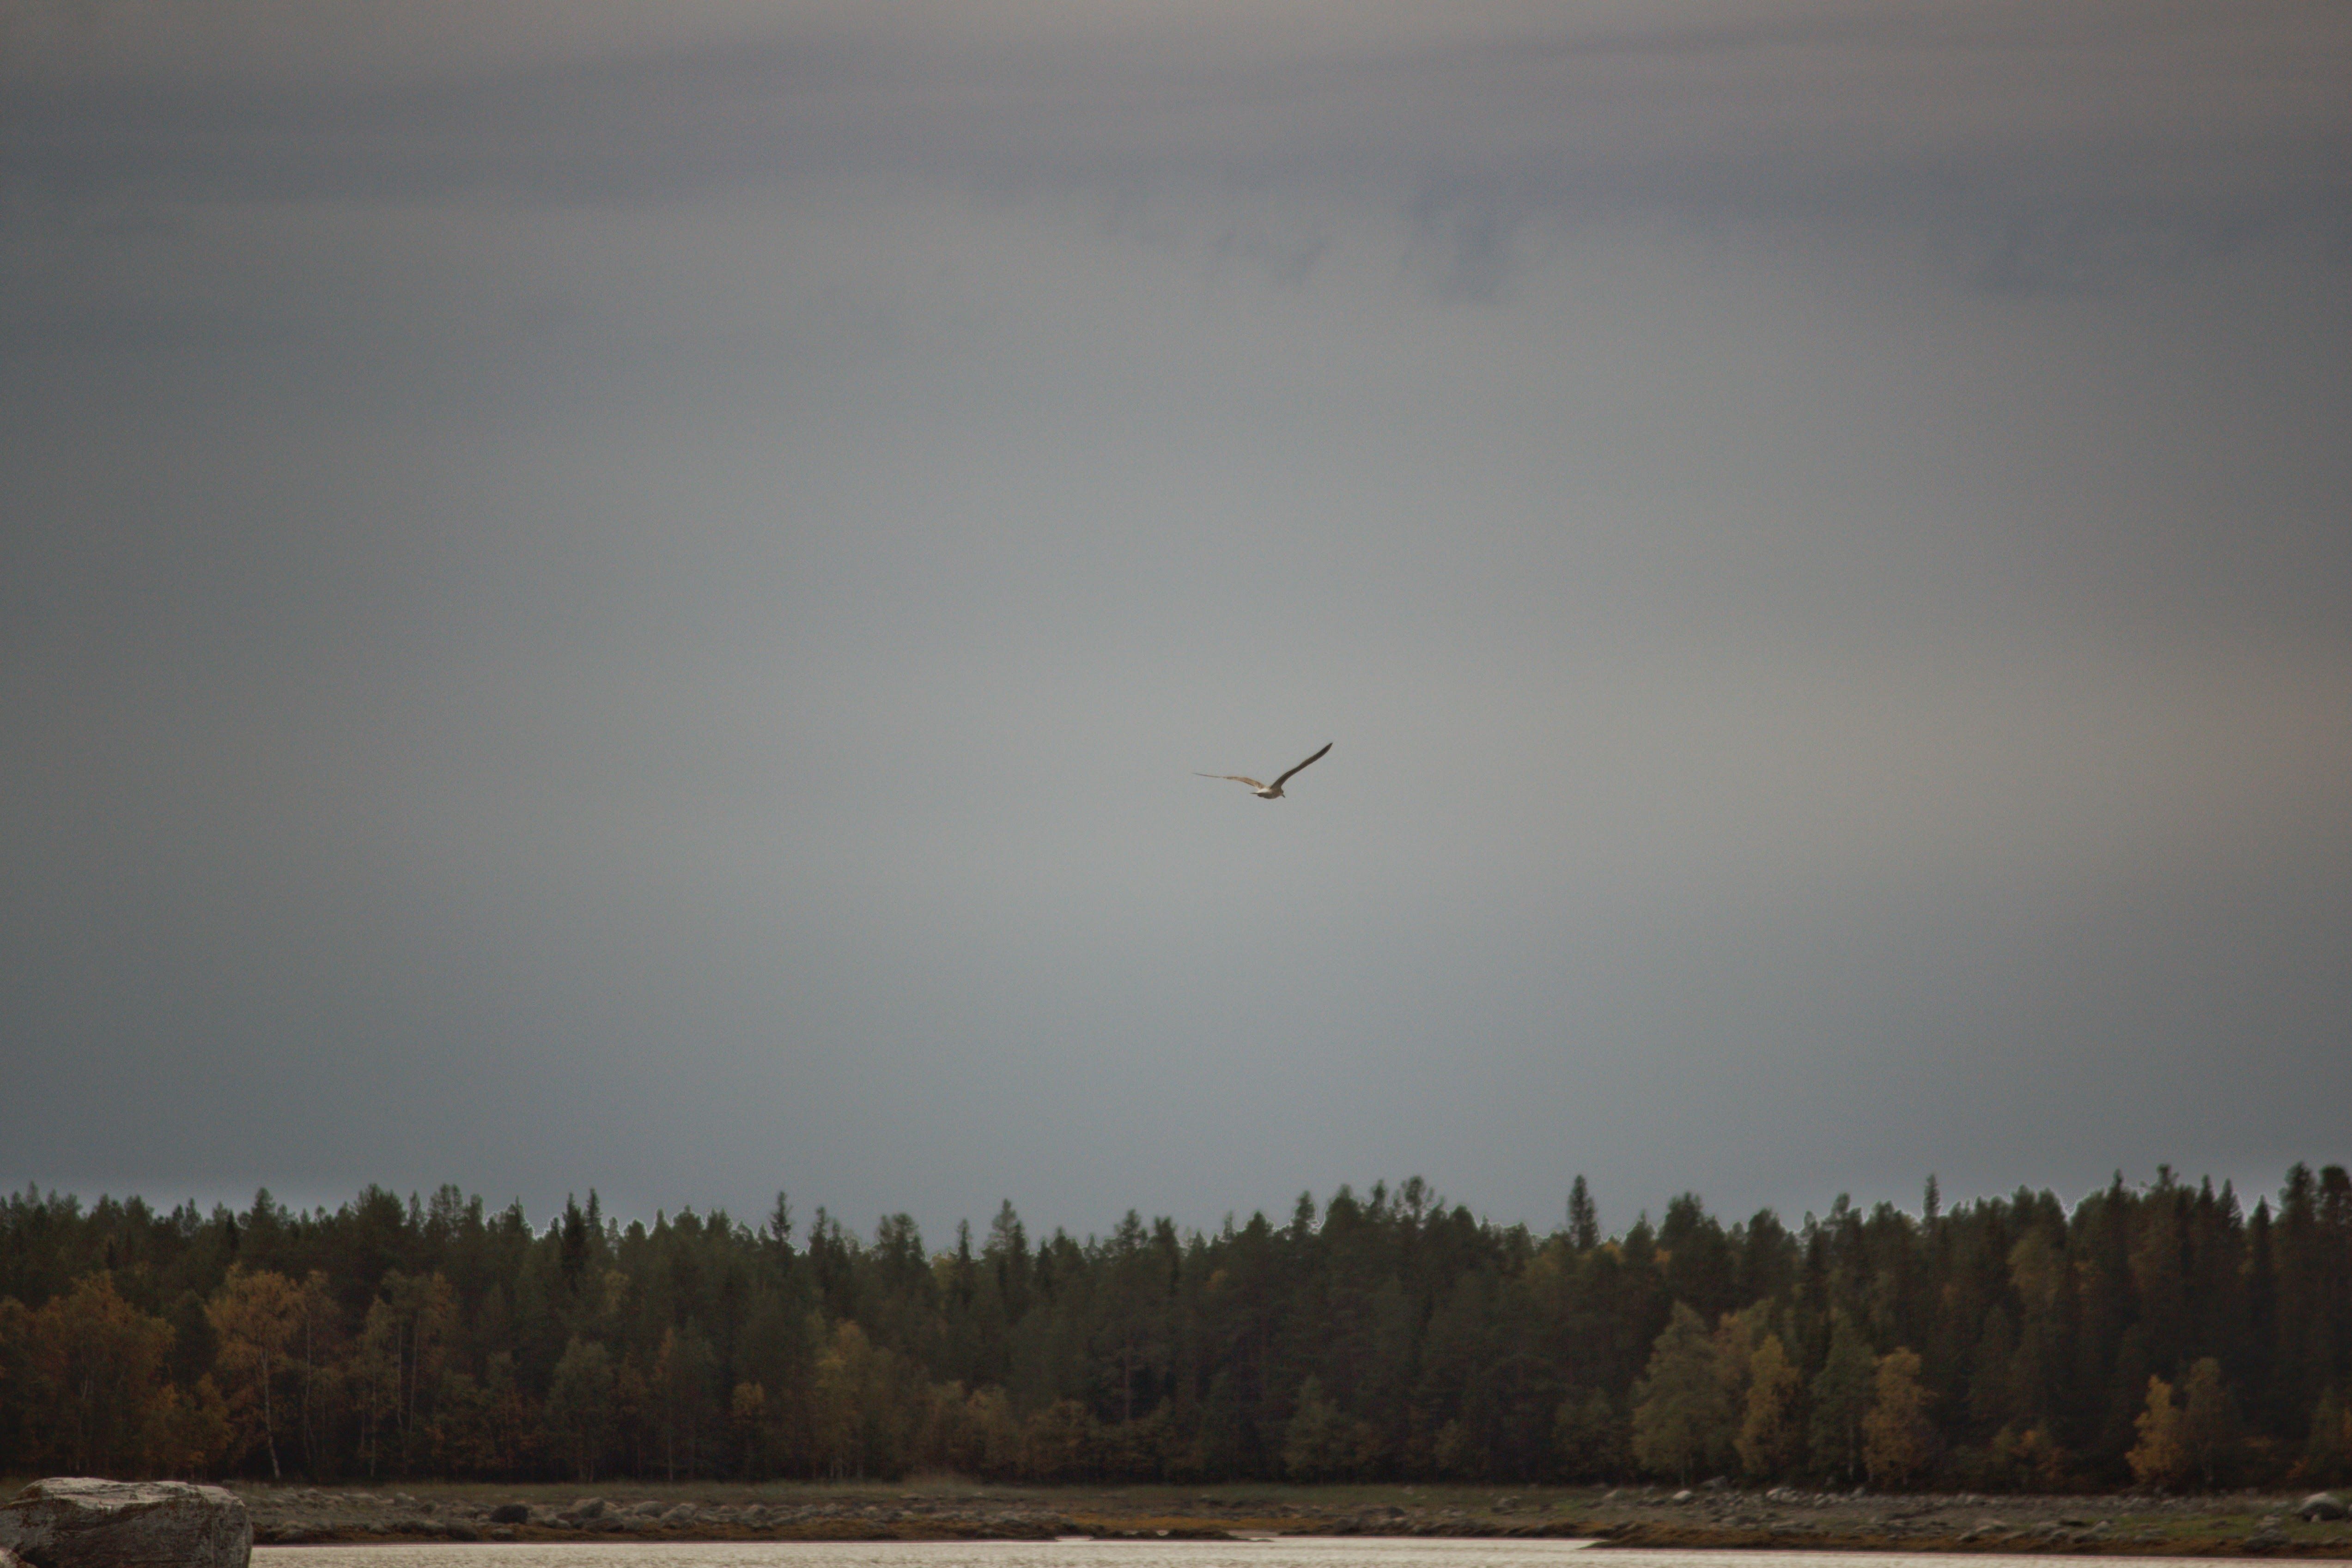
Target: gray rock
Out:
[2321,1505]
[510,1513]
[77,1521]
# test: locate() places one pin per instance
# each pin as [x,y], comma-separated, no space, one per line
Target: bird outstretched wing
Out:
[1327,746]
[1235,777]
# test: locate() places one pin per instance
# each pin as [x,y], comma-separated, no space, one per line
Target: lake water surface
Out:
[1289,1551]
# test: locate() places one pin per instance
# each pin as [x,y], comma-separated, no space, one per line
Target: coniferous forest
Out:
[2154,1336]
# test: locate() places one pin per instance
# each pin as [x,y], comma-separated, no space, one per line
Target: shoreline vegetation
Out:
[2157,1339]
[931,1508]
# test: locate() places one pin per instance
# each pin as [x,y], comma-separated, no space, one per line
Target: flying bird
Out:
[1265,791]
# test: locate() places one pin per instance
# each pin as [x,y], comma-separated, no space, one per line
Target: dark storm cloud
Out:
[593,601]
[2065,145]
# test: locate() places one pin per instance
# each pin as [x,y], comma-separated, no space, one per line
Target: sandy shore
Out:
[2223,1525]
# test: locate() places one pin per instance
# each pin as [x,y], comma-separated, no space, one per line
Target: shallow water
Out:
[1290,1551]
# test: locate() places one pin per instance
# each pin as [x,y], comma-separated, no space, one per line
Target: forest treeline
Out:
[2156,1335]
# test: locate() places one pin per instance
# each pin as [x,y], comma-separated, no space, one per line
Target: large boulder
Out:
[2321,1505]
[74,1521]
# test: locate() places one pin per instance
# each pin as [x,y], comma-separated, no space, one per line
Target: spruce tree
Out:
[1583,1218]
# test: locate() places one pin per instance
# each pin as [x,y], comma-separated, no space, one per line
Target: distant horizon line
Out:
[415,1201]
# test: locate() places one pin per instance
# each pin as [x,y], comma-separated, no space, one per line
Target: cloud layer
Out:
[595,602]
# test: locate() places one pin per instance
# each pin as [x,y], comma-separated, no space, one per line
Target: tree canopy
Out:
[2156,1331]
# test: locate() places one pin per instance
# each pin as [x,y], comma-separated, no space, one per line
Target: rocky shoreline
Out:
[2235,1524]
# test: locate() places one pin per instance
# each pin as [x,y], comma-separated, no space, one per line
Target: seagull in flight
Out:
[1265,791]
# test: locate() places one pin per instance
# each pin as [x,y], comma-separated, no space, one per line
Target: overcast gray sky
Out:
[602,595]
